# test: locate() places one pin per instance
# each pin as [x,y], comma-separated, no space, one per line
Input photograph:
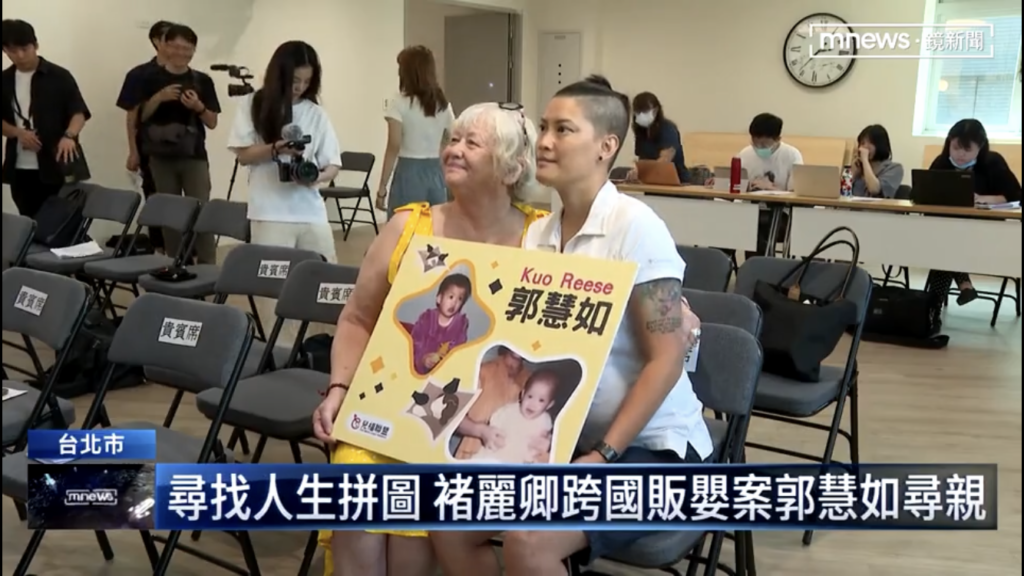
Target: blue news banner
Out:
[60,446]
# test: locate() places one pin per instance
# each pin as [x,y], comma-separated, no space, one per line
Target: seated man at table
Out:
[967,149]
[769,164]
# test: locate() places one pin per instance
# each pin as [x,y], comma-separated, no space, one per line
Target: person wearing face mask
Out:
[967,148]
[874,173]
[769,163]
[656,137]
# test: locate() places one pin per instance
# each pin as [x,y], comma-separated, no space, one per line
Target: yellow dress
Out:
[419,224]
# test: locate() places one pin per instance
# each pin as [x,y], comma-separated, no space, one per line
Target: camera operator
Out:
[176,106]
[43,115]
[289,145]
[134,82]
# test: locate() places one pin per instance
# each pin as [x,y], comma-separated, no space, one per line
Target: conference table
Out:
[891,232]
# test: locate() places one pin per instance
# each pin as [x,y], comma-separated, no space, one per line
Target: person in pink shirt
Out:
[440,329]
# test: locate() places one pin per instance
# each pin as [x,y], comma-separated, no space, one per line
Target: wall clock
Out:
[821,71]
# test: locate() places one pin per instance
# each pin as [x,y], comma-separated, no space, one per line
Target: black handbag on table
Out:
[801,330]
[60,219]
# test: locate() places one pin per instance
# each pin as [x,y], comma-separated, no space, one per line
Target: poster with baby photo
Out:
[485,354]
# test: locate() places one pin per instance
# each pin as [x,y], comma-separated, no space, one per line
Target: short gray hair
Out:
[513,150]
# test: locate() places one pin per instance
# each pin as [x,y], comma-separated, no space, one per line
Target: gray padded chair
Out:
[727,373]
[210,348]
[169,211]
[280,404]
[240,276]
[51,309]
[18,234]
[619,173]
[101,205]
[360,163]
[707,269]
[218,218]
[792,402]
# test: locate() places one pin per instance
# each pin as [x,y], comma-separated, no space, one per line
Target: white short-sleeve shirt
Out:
[421,134]
[621,227]
[777,168]
[271,200]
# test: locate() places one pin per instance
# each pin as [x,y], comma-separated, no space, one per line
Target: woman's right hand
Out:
[281,148]
[326,414]
[710,182]
[382,199]
[493,438]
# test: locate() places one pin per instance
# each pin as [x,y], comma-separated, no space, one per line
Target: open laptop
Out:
[817,181]
[951,188]
[723,176]
[657,173]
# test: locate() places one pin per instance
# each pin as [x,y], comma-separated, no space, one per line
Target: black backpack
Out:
[60,219]
[905,317]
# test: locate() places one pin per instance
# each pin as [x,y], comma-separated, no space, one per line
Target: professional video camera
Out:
[295,168]
[238,73]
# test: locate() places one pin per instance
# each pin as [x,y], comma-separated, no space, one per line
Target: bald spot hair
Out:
[606,109]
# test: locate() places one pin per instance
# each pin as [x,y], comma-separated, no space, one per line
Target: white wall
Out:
[715,64]
[424,25]
[100,40]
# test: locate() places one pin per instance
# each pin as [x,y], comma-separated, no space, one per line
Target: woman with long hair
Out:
[419,120]
[288,211]
[645,410]
[967,149]
[655,137]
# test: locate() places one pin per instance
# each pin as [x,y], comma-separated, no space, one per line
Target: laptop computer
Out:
[657,173]
[817,181]
[951,188]
[723,176]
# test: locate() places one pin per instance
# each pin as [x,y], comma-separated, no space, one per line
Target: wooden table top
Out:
[790,199]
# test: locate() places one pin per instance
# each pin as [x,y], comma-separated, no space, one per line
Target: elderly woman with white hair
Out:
[489,165]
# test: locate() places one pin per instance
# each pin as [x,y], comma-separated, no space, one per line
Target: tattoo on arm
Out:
[660,299]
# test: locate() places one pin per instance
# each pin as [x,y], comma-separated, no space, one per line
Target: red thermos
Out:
[734,176]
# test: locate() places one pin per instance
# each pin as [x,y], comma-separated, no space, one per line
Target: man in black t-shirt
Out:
[133,83]
[176,106]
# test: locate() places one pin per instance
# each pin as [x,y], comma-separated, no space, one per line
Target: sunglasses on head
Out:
[517,107]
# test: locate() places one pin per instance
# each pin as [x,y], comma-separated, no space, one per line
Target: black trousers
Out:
[156,235]
[940,283]
[29,192]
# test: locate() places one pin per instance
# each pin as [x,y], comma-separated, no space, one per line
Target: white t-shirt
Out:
[27,160]
[271,200]
[519,431]
[421,134]
[622,228]
[777,168]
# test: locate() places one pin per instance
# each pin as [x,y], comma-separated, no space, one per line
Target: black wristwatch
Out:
[71,136]
[607,452]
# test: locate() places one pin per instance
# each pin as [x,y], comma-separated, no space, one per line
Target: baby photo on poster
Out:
[514,416]
[442,319]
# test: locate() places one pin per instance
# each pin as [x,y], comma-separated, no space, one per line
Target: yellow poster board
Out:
[485,354]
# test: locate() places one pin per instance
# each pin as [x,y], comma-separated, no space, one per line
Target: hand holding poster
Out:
[485,354]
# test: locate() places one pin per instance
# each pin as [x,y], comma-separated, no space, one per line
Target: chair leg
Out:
[30,552]
[854,423]
[164,562]
[999,302]
[22,511]
[175,403]
[352,218]
[104,542]
[150,546]
[906,276]
[830,446]
[341,216]
[308,554]
[248,553]
[257,454]
[296,452]
[886,275]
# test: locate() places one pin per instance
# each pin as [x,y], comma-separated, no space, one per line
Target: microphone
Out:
[221,67]
[292,133]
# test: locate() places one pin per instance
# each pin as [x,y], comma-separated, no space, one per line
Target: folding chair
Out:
[280,404]
[169,211]
[50,309]
[18,234]
[218,218]
[241,275]
[359,162]
[726,309]
[707,269]
[101,205]
[727,373]
[207,342]
[792,402]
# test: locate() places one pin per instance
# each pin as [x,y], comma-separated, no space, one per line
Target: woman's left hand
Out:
[382,198]
[691,326]
[590,458]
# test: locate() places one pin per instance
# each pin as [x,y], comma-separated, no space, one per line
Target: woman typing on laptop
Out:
[655,136]
[967,148]
[874,173]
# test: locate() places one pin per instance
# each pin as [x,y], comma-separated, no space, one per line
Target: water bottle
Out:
[734,176]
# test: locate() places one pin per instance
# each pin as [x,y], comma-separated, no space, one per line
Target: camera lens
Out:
[305,172]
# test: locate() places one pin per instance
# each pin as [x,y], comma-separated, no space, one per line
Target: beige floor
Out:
[958,405]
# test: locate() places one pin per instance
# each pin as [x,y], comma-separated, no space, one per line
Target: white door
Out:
[559,65]
[478,52]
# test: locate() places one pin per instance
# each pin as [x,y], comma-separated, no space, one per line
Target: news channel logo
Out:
[950,40]
[91,497]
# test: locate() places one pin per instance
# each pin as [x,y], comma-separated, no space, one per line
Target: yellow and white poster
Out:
[485,354]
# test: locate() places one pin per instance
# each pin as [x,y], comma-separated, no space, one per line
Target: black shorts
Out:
[604,543]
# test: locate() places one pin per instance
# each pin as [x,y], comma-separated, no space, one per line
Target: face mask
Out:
[765,153]
[645,119]
[963,166]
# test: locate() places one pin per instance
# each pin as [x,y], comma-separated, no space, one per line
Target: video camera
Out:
[296,169]
[238,73]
